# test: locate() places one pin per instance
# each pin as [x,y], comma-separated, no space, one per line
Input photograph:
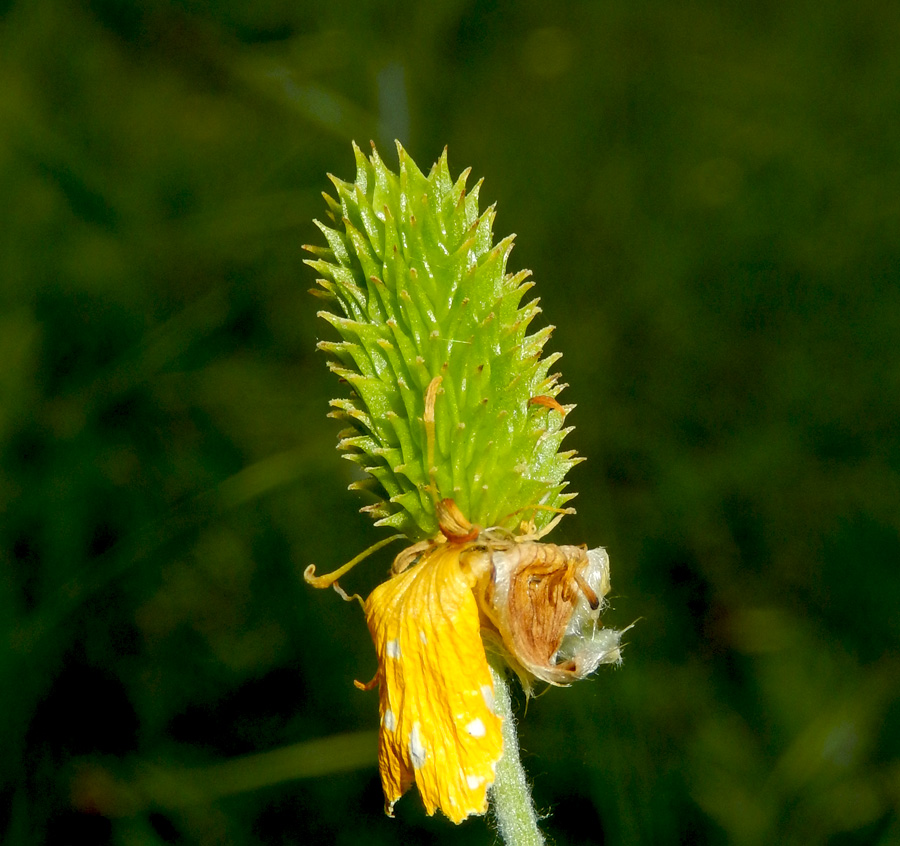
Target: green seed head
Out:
[416,289]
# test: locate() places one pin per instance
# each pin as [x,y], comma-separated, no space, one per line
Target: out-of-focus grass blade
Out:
[97,789]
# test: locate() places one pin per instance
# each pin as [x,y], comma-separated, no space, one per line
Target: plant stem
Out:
[510,795]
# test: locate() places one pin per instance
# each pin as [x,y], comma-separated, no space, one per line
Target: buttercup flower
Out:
[421,307]
[536,603]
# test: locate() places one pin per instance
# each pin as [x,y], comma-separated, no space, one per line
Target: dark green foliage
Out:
[708,195]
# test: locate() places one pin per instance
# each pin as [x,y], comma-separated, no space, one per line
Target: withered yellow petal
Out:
[438,726]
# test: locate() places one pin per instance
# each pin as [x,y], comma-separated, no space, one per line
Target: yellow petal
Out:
[438,726]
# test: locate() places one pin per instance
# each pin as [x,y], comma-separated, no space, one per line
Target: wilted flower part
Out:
[537,604]
[544,603]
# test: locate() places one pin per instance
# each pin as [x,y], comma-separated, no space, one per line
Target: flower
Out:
[421,306]
[537,604]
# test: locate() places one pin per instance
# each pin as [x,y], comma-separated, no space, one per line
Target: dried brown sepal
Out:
[543,604]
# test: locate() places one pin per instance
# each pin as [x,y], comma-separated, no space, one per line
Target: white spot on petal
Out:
[487,693]
[422,637]
[476,728]
[416,747]
[393,649]
[474,781]
[388,720]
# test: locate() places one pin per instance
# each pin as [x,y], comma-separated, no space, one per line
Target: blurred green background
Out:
[709,197]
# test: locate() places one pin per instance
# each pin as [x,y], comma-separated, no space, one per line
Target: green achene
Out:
[416,289]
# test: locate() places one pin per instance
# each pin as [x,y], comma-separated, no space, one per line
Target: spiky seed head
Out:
[415,288]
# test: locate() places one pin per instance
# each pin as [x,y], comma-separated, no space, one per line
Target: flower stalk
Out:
[511,803]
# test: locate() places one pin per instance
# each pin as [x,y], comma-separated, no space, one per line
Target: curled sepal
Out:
[544,602]
[436,696]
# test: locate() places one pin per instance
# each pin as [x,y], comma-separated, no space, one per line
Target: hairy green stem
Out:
[510,795]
